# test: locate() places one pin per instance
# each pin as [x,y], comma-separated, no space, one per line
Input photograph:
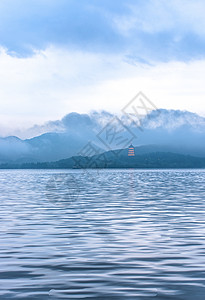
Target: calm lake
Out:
[107,234]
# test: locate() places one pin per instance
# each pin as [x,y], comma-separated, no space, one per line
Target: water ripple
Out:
[125,234]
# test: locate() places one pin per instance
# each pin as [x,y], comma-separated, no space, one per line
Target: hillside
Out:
[117,159]
[163,131]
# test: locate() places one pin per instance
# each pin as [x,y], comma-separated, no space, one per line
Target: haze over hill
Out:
[162,130]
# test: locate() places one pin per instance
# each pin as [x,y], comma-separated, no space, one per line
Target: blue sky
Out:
[59,56]
[148,30]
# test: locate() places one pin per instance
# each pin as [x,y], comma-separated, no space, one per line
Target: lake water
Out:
[112,234]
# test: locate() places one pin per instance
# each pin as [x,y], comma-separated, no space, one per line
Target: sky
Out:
[60,56]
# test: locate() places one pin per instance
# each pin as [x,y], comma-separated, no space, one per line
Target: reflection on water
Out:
[123,234]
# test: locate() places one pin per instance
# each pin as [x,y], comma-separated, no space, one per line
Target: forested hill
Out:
[117,159]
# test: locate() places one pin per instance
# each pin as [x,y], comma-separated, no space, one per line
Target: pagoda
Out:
[131,150]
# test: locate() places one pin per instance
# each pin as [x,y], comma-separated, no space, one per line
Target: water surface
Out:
[111,234]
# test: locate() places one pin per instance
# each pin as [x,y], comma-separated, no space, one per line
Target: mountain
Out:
[162,130]
[118,159]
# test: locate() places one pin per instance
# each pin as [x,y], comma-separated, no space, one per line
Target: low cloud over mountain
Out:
[161,130]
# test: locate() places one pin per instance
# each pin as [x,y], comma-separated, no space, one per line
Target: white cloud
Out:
[55,82]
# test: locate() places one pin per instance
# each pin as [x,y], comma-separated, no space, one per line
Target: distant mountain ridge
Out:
[163,131]
[118,159]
